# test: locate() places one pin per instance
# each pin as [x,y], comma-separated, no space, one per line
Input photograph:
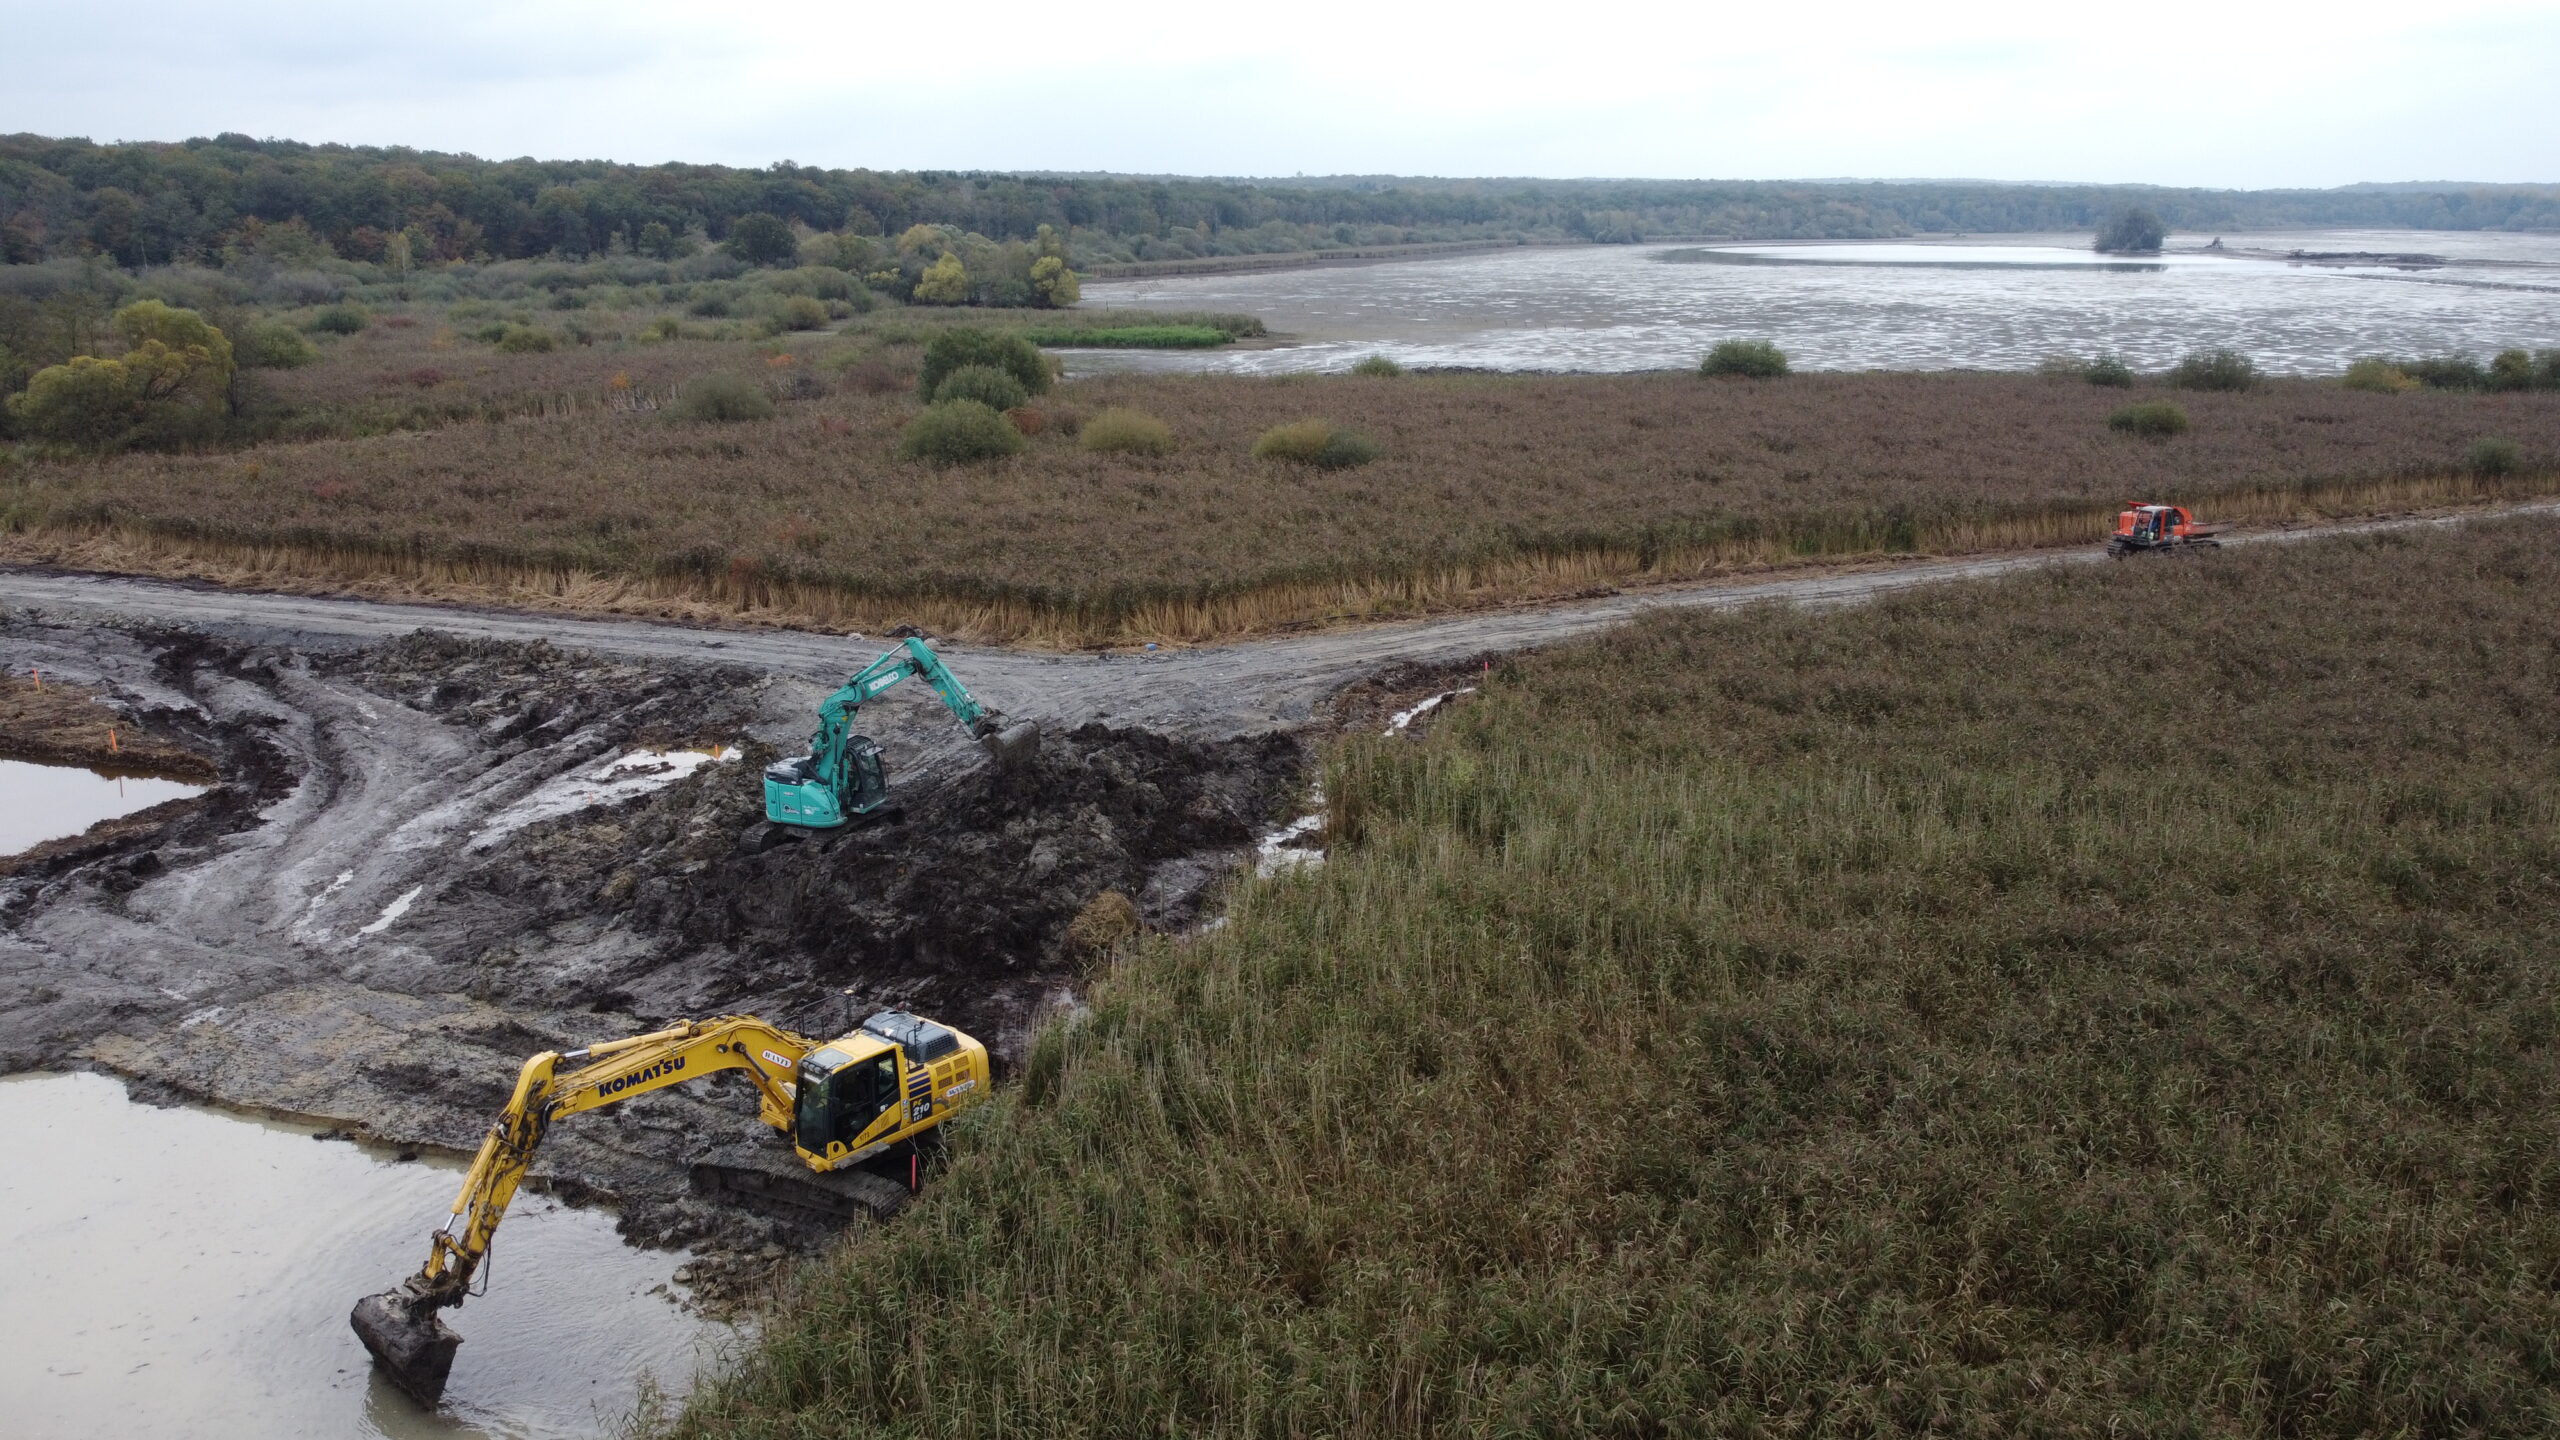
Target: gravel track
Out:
[1210,690]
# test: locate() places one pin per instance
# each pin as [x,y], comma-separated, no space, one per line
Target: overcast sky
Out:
[2184,92]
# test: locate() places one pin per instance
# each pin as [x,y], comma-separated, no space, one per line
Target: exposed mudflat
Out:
[358,927]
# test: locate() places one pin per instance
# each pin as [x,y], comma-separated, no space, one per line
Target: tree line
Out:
[157,203]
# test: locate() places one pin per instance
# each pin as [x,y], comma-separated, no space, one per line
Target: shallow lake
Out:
[183,1272]
[1987,302]
[47,802]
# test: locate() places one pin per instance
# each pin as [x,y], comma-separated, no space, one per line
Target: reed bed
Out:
[426,376]
[2097,1003]
[1491,489]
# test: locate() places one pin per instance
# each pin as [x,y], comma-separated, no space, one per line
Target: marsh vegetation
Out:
[1481,488]
[2107,1001]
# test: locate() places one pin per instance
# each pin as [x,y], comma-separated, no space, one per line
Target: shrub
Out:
[339,320]
[804,312]
[2494,456]
[2150,419]
[944,282]
[761,239]
[985,384]
[1757,359]
[1120,431]
[2376,374]
[1312,442]
[2214,370]
[2110,372]
[1108,919]
[957,432]
[1301,441]
[1052,284]
[2131,231]
[271,345]
[665,327]
[874,377]
[721,399]
[526,340]
[1348,450]
[2447,372]
[87,402]
[817,281]
[962,345]
[1378,365]
[167,389]
[2511,370]
[711,305]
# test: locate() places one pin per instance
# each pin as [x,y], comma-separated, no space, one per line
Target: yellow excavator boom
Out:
[401,1326]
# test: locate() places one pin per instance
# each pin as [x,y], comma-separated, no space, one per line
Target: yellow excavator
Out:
[842,1102]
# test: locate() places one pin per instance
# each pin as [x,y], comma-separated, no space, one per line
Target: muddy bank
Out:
[63,724]
[361,927]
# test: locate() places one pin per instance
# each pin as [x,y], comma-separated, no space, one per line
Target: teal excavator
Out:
[842,778]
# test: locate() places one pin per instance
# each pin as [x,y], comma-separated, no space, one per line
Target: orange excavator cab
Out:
[2146,529]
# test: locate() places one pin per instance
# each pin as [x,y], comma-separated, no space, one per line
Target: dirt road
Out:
[1212,690]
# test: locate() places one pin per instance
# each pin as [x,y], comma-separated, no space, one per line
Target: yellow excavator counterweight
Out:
[842,1102]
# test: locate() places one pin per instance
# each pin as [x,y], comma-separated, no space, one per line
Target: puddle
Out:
[47,802]
[1403,719]
[1295,846]
[188,1272]
[621,778]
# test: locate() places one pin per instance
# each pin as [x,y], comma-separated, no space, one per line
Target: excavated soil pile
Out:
[517,695]
[960,910]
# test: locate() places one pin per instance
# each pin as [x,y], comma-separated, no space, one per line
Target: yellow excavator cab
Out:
[857,1095]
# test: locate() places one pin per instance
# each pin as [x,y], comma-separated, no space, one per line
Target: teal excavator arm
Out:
[842,776]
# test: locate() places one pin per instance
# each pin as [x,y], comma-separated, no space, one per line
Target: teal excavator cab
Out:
[842,778]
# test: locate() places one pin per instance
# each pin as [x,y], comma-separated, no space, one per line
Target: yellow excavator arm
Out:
[605,1074]
[400,1326]
[843,1103]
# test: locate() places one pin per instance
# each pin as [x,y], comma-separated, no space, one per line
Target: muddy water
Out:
[1995,302]
[47,802]
[184,1272]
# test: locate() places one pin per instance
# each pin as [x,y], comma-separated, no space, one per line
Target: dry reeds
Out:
[1490,489]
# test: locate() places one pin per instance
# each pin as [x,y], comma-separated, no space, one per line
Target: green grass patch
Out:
[1888,1021]
[1129,337]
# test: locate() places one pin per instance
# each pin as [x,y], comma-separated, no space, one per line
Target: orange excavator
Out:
[2145,529]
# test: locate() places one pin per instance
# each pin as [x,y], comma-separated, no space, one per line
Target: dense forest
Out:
[164,203]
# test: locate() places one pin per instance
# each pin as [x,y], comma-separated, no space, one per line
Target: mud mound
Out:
[518,695]
[961,908]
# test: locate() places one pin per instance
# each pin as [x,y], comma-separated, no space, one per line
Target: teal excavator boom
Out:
[842,777]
